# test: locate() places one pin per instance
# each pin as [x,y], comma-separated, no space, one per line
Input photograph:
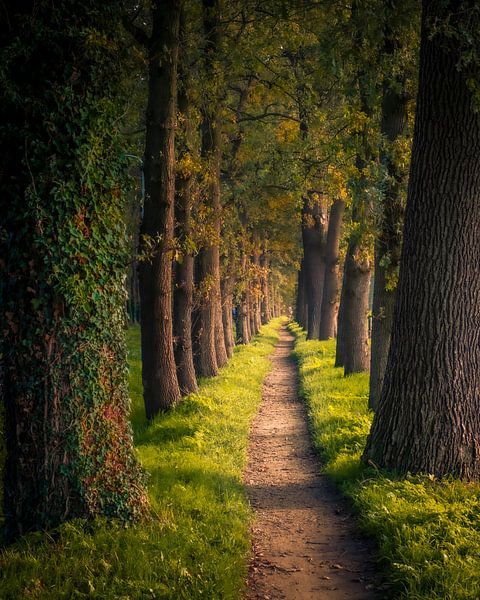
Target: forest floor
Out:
[305,541]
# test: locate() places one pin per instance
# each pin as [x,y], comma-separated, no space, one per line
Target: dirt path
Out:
[305,542]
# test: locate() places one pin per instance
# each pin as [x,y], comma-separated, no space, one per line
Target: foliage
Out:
[197,541]
[427,531]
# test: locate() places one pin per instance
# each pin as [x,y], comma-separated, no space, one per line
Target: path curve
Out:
[305,542]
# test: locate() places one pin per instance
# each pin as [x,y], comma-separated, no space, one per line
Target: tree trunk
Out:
[301,313]
[69,449]
[243,330]
[394,125]
[389,241]
[251,312]
[205,356]
[250,332]
[428,418]
[183,285]
[211,342]
[183,304]
[265,306]
[340,346]
[228,285]
[331,287]
[314,233]
[220,348]
[356,295]
[257,285]
[159,373]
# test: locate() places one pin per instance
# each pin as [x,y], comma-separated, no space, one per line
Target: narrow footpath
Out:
[305,542]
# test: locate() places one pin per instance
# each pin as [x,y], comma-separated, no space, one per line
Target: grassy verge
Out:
[427,531]
[196,545]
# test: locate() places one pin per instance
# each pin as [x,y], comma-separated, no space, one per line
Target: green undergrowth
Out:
[197,542]
[427,531]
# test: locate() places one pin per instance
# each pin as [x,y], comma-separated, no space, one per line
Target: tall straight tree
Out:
[69,450]
[340,345]
[428,418]
[228,286]
[242,320]
[265,265]
[159,375]
[331,285]
[394,130]
[211,351]
[184,194]
[361,95]
[356,283]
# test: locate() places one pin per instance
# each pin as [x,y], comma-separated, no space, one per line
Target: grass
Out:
[197,543]
[427,531]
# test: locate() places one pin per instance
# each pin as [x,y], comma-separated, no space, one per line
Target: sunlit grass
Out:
[197,543]
[427,531]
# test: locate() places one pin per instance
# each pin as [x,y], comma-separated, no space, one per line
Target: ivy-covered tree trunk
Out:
[159,373]
[331,286]
[394,127]
[314,233]
[428,417]
[69,450]
[184,282]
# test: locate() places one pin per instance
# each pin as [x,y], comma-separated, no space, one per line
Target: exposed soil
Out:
[305,541]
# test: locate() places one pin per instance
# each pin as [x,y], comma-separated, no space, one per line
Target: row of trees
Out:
[75,80]
[268,124]
[424,347]
[201,254]
[372,98]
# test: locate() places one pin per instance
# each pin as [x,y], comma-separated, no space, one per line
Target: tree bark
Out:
[211,341]
[265,306]
[204,356]
[184,282]
[356,295]
[428,418]
[257,285]
[301,313]
[331,286]
[242,320]
[159,373]
[251,312]
[243,331]
[64,391]
[388,243]
[340,346]
[228,285]
[314,234]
